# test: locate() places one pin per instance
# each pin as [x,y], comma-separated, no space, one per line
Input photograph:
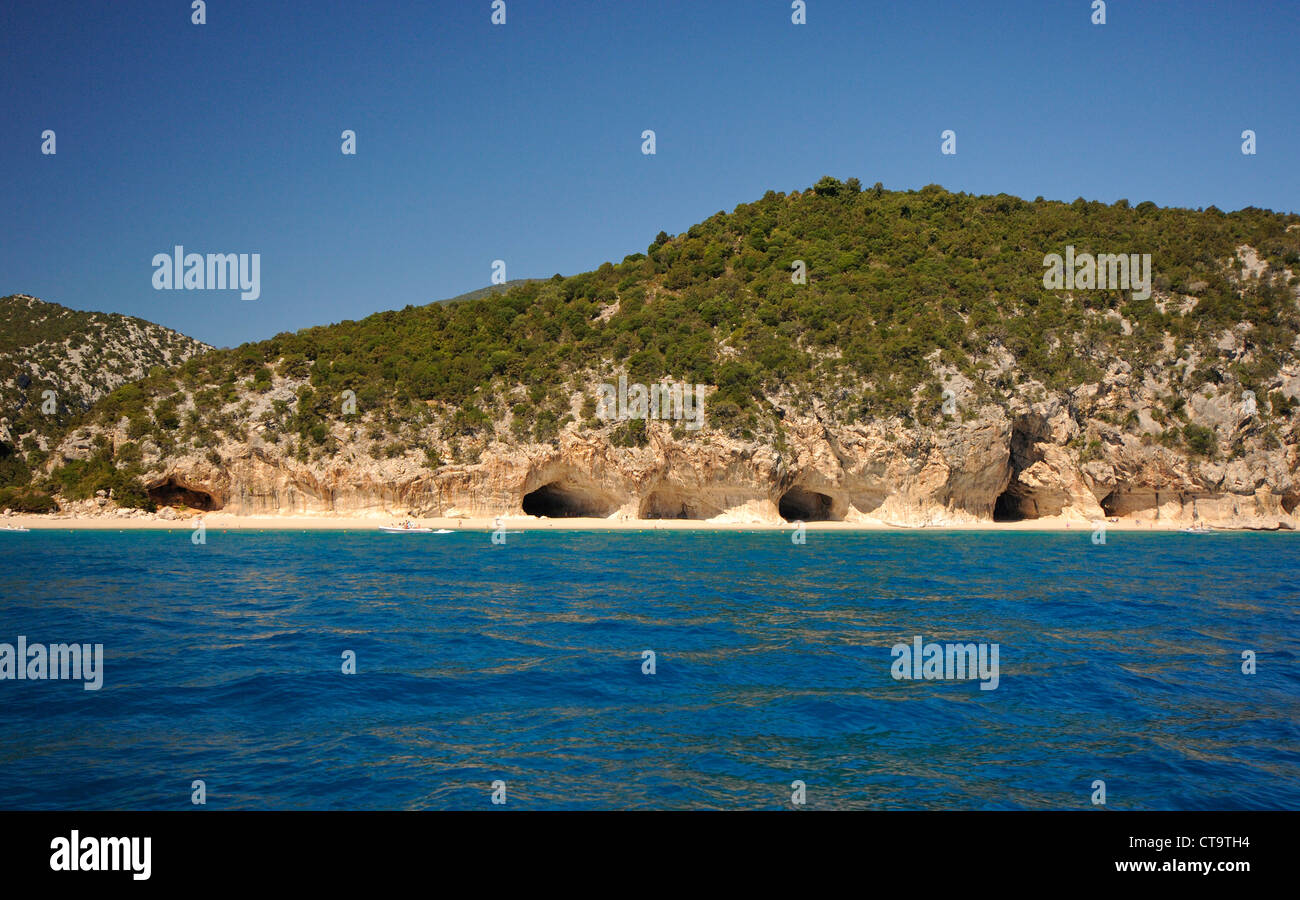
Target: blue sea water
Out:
[523,662]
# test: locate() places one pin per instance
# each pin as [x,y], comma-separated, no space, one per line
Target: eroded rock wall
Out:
[997,465]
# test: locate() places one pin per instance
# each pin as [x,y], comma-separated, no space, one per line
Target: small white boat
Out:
[15,528]
[405,529]
[1198,529]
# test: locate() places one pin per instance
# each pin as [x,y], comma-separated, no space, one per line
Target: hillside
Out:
[488,291]
[80,357]
[923,373]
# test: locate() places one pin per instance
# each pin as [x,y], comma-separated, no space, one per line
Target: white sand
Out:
[227,522]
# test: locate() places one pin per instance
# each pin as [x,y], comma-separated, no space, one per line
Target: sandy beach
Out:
[219,522]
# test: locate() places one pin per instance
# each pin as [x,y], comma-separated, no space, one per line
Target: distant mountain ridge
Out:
[489,290]
[78,356]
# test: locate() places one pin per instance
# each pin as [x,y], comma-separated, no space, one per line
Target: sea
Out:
[653,670]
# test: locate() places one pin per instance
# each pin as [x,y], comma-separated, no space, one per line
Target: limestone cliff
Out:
[1061,455]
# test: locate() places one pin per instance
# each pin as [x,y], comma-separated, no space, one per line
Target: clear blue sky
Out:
[522,142]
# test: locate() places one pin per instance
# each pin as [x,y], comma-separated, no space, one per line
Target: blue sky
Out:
[522,142]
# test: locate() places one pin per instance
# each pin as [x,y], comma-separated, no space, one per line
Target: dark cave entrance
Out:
[565,501]
[169,493]
[1016,502]
[1108,504]
[800,505]
[1011,508]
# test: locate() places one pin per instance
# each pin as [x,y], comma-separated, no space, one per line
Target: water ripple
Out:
[523,663]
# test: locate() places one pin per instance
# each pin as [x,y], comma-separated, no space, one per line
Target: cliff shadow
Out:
[673,504]
[566,500]
[1011,507]
[801,505]
[172,493]
[1131,503]
[1019,501]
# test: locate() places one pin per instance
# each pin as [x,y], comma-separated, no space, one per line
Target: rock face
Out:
[1034,461]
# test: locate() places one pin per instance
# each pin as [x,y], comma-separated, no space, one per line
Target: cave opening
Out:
[565,501]
[800,505]
[1108,505]
[1017,503]
[1011,507]
[170,493]
[1289,503]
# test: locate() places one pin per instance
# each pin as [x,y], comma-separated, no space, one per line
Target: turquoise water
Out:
[523,663]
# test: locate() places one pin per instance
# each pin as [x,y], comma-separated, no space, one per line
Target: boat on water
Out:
[406,528]
[14,528]
[1198,528]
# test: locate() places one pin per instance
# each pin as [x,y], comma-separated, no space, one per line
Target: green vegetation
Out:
[900,283]
[80,357]
[1200,440]
[116,473]
[15,490]
[27,500]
